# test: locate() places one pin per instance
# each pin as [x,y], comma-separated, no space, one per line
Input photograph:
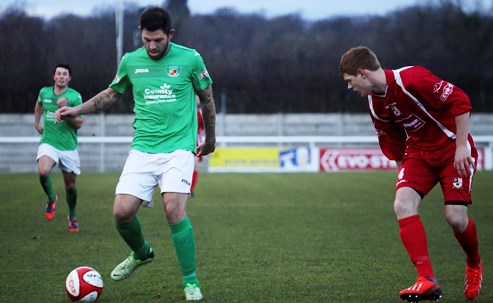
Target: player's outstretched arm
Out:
[75,122]
[101,101]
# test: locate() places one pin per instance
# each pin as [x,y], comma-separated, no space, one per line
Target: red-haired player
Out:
[422,123]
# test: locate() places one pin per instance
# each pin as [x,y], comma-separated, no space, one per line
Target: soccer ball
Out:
[84,284]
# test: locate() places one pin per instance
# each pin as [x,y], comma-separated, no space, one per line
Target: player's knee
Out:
[43,172]
[121,219]
[456,216]
[404,209]
[174,212]
[406,202]
[398,208]
[457,223]
[171,209]
[175,206]
[70,187]
[121,216]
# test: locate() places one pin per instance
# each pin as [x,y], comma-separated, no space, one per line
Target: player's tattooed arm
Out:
[209,114]
[104,100]
[101,101]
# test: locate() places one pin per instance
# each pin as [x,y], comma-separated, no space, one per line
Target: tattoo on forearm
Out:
[98,104]
[209,113]
[103,100]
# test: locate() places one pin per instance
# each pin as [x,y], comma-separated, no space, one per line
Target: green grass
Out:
[260,238]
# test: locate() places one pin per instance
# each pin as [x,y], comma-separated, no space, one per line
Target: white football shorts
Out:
[143,172]
[67,160]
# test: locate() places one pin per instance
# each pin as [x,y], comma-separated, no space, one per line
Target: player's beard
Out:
[157,53]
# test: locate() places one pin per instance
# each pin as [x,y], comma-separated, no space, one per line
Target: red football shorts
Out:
[422,170]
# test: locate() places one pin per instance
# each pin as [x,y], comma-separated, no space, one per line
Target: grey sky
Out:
[308,9]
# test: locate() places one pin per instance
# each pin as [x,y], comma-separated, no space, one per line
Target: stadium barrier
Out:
[234,154]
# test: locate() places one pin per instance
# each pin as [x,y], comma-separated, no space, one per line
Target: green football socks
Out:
[71,196]
[47,187]
[184,242]
[190,279]
[132,235]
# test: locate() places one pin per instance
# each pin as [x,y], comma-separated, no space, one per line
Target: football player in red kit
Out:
[200,139]
[422,123]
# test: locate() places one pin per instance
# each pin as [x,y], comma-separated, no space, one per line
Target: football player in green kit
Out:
[58,144]
[164,78]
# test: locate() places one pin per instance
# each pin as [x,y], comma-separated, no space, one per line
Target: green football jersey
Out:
[164,97]
[62,135]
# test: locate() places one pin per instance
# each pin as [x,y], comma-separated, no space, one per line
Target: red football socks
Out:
[413,236]
[468,240]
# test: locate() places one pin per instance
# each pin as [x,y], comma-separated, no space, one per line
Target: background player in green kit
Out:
[164,78]
[58,143]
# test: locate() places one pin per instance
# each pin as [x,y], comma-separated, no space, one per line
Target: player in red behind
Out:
[200,140]
[422,123]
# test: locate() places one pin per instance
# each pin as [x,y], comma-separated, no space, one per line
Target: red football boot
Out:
[425,288]
[472,283]
[50,209]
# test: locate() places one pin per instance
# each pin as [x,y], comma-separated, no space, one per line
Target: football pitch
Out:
[320,237]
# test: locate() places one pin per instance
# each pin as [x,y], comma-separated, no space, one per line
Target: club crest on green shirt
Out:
[173,71]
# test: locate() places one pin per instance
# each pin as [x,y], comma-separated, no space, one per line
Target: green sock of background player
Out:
[71,195]
[184,242]
[47,187]
[132,235]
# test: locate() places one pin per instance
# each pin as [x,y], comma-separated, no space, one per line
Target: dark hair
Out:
[154,18]
[356,58]
[65,66]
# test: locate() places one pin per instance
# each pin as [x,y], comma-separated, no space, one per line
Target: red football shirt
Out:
[201,128]
[418,109]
